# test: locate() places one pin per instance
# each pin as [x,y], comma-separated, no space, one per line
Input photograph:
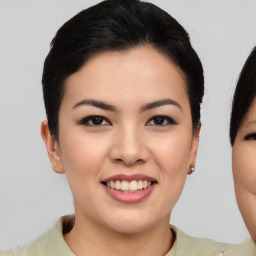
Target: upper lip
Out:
[129,177]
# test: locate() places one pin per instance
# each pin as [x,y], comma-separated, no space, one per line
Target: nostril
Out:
[140,161]
[129,162]
[119,160]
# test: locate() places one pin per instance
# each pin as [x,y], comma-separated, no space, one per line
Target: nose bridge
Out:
[129,146]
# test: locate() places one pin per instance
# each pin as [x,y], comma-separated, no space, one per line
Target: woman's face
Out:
[125,139]
[244,169]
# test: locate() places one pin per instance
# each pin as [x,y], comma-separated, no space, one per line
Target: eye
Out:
[160,121]
[250,136]
[95,121]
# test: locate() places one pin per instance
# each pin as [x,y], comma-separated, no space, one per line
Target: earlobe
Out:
[191,169]
[52,147]
[194,148]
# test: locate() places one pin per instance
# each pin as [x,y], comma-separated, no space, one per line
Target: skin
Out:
[244,169]
[128,142]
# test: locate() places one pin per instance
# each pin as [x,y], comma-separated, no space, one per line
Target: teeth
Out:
[127,186]
[133,185]
[112,184]
[118,185]
[139,184]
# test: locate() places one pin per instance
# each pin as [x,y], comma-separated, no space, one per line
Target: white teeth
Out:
[127,186]
[133,185]
[112,184]
[118,185]
[140,184]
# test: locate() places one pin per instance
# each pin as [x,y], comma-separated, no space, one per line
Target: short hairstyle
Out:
[118,25]
[244,95]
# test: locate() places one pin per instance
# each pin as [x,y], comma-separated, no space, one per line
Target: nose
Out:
[129,147]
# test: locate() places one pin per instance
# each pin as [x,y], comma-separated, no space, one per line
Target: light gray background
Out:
[32,196]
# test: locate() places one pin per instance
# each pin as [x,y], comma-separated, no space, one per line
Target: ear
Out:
[52,147]
[194,147]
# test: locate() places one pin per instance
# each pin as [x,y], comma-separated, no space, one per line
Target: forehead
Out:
[139,73]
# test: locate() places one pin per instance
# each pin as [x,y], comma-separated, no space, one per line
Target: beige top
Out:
[52,243]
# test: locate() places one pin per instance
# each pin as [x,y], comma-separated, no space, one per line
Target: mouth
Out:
[129,186]
[129,183]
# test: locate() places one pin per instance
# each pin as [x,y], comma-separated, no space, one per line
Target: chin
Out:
[130,225]
[129,229]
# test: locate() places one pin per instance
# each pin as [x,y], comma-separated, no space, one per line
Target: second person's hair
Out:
[244,95]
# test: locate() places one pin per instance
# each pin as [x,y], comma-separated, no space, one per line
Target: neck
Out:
[90,238]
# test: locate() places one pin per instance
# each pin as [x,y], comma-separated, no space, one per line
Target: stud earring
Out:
[191,169]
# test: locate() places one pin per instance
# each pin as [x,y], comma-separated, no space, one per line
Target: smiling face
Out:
[244,169]
[125,139]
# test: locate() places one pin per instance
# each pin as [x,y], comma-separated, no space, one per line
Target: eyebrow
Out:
[95,103]
[146,107]
[160,103]
[250,123]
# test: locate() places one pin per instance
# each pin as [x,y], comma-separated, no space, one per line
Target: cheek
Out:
[172,151]
[244,168]
[172,156]
[173,163]
[82,159]
[82,154]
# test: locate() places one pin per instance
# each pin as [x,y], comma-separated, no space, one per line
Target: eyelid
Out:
[85,120]
[170,120]
[251,136]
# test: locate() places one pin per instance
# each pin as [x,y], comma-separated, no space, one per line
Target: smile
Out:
[129,186]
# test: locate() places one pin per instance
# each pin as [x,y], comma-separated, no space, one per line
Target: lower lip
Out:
[129,198]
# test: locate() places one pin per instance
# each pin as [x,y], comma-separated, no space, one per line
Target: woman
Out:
[122,90]
[243,138]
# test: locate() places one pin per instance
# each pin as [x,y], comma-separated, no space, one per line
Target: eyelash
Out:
[86,121]
[97,120]
[251,136]
[166,120]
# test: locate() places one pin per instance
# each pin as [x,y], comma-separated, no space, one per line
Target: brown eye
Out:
[160,121]
[95,121]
